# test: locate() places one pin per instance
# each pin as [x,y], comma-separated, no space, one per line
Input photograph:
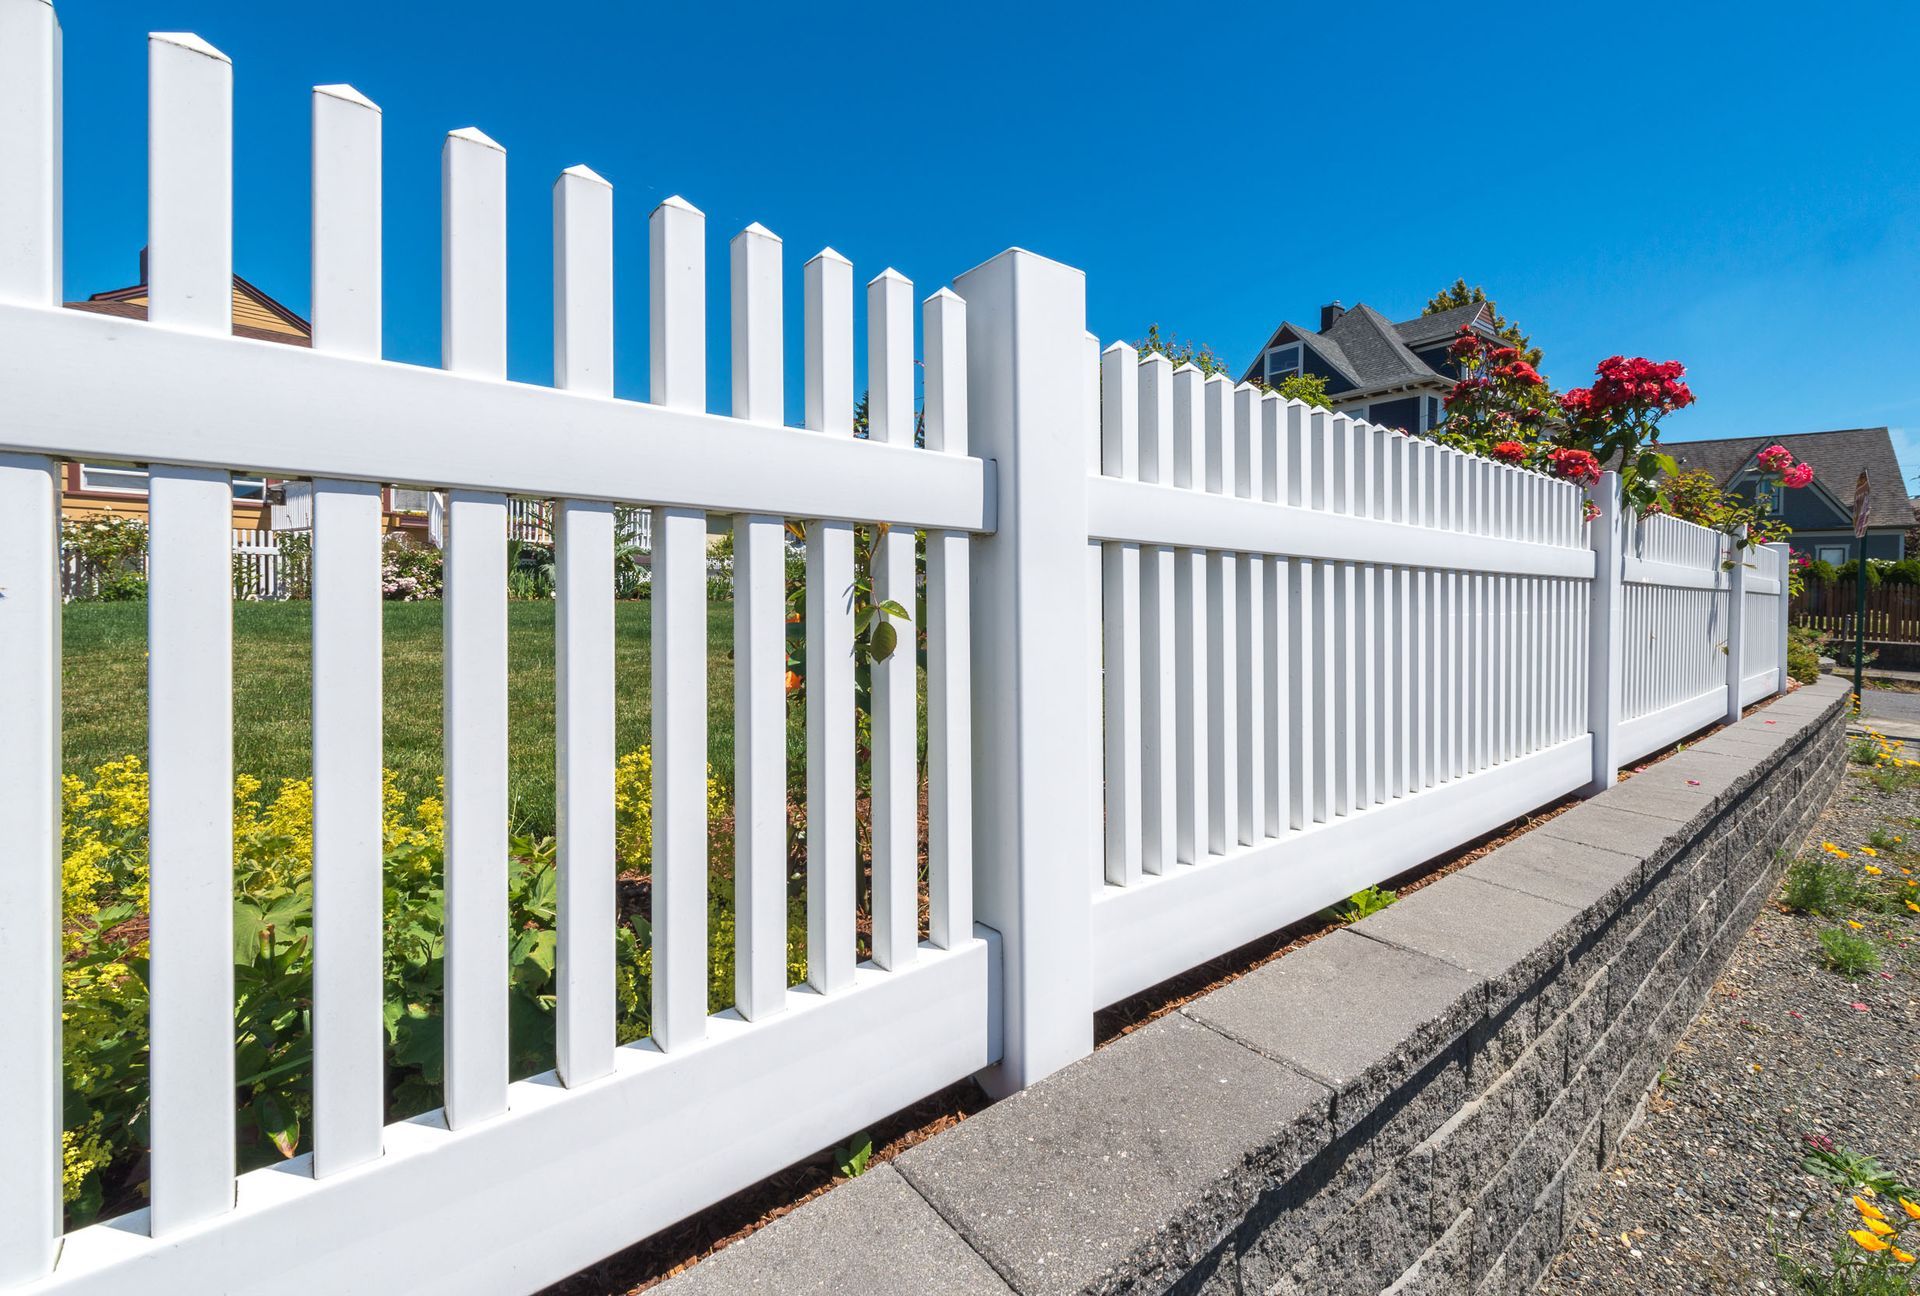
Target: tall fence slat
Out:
[829,626]
[1120,457]
[473,323]
[583,539]
[677,297]
[1223,671]
[30,875]
[759,648]
[30,633]
[190,661]
[895,761]
[1159,681]
[1190,602]
[190,847]
[949,633]
[1250,649]
[349,1042]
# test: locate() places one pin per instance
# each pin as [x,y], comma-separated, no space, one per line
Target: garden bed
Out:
[1753,1140]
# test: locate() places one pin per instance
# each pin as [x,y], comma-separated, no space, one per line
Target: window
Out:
[1773,493]
[1835,554]
[126,481]
[121,480]
[1283,362]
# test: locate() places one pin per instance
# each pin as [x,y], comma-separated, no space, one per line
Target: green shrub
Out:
[1817,886]
[1847,952]
[1804,646]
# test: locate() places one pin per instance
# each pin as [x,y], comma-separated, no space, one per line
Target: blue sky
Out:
[1734,188]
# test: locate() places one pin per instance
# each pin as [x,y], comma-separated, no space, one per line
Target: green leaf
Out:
[279,1122]
[892,608]
[885,639]
[852,1157]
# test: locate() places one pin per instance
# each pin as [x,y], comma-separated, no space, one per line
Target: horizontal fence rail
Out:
[1194,661]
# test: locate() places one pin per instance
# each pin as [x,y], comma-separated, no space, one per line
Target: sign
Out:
[1862,510]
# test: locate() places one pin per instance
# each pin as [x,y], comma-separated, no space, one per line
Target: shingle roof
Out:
[1439,326]
[1375,350]
[1372,352]
[1837,457]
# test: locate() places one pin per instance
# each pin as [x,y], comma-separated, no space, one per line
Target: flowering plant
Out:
[1618,417]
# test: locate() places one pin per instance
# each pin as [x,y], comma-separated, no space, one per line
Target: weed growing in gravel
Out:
[1873,1261]
[1816,886]
[1847,952]
[1842,1167]
[1884,839]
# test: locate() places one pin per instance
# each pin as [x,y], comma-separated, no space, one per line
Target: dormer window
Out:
[1283,362]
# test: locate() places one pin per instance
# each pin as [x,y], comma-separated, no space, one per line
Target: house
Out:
[1821,514]
[97,488]
[1394,375]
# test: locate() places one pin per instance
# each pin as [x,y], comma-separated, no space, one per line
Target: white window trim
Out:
[1299,360]
[1824,550]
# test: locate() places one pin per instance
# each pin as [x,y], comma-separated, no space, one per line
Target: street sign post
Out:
[1862,510]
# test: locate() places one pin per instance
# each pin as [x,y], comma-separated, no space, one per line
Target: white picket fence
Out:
[256,567]
[1309,653]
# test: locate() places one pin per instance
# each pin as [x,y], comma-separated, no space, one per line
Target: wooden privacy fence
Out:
[1893,611]
[1199,661]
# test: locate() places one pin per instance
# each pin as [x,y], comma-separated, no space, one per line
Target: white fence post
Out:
[1736,620]
[1784,569]
[1603,631]
[1026,343]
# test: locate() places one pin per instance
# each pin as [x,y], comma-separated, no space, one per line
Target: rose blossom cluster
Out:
[1620,381]
[1575,465]
[1777,458]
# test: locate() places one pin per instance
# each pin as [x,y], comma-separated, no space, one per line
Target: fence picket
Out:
[1120,564]
[949,642]
[1191,659]
[829,626]
[896,775]
[583,540]
[1159,682]
[676,236]
[759,648]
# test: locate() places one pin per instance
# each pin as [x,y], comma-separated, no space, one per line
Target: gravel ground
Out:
[1710,1182]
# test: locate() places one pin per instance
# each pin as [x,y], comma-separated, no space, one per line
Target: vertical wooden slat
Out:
[896,775]
[1275,718]
[759,649]
[583,535]
[30,627]
[1190,603]
[829,622]
[949,648]
[1120,564]
[190,662]
[1300,702]
[349,1041]
[1223,703]
[677,380]
[473,327]
[1159,683]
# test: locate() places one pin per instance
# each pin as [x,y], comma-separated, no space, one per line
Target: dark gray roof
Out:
[1438,326]
[1372,352]
[1837,458]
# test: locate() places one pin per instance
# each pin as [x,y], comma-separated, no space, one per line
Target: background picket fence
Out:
[1198,661]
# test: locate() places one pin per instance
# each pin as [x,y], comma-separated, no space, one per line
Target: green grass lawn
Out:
[105,698]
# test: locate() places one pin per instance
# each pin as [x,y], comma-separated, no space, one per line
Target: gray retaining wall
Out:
[1417,1104]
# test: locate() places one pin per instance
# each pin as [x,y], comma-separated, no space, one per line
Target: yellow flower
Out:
[1912,1209]
[1902,1256]
[1915,907]
[1868,1209]
[1879,1229]
[1872,870]
[1856,926]
[1867,1241]
[1868,850]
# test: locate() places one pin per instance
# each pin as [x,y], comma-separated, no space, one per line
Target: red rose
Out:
[1574,465]
[1510,452]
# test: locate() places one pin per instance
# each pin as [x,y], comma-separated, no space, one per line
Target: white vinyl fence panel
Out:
[1199,661]
[1391,636]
